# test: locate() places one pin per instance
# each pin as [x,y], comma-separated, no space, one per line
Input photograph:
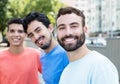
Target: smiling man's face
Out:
[39,34]
[70,32]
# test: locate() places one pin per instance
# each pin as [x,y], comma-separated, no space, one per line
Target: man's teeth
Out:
[69,39]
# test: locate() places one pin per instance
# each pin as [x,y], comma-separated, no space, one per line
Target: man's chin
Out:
[38,45]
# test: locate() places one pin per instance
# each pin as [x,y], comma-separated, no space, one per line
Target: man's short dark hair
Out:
[69,10]
[35,16]
[14,20]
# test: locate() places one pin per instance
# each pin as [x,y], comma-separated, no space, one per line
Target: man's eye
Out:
[20,31]
[61,28]
[11,31]
[30,36]
[74,26]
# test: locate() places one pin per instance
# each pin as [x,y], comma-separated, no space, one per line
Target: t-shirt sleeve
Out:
[38,54]
[38,61]
[105,73]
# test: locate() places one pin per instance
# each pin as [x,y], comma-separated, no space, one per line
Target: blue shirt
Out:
[53,64]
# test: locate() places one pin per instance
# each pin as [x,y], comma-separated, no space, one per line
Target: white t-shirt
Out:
[93,68]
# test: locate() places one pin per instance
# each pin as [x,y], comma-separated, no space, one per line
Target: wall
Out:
[112,51]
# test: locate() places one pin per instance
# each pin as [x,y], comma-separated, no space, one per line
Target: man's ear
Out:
[85,29]
[6,34]
[51,27]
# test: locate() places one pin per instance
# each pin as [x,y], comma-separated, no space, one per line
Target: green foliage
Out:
[56,5]
[3,18]
[20,8]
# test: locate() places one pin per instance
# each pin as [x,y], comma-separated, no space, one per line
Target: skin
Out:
[16,37]
[70,26]
[41,35]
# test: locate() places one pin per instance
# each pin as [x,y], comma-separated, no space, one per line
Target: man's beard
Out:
[71,46]
[48,44]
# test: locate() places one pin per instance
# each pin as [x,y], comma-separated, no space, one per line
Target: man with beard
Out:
[54,59]
[86,66]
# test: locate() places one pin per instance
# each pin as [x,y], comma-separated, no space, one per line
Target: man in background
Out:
[54,58]
[18,64]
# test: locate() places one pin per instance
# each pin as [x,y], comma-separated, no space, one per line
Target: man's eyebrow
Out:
[37,28]
[60,25]
[29,34]
[34,30]
[73,23]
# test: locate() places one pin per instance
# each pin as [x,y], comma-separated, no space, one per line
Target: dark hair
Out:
[14,20]
[35,16]
[69,10]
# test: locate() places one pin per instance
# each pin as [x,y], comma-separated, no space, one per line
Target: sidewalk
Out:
[2,48]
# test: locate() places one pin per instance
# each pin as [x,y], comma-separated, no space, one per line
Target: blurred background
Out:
[102,20]
[102,16]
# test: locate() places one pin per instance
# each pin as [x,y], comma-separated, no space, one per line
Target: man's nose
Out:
[68,31]
[36,36]
[16,33]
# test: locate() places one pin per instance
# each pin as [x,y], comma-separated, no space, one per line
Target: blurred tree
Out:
[20,8]
[56,5]
[3,18]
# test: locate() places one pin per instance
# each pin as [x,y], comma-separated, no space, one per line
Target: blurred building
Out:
[101,15]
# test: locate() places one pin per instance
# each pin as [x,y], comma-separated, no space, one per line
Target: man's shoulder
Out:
[3,51]
[32,50]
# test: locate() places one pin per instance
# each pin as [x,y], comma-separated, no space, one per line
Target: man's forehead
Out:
[68,18]
[15,27]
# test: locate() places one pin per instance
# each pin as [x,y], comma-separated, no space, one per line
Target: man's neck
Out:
[53,45]
[16,50]
[78,54]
